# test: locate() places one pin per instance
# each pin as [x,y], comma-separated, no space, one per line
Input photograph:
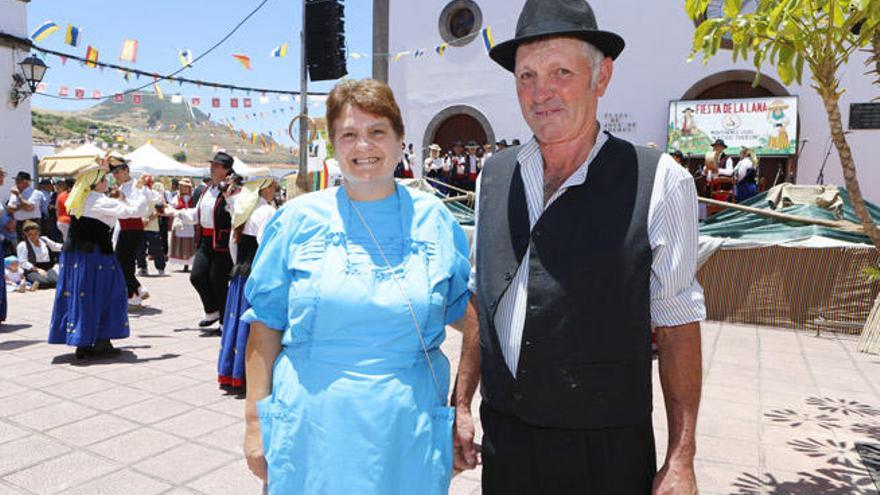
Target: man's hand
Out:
[253,450]
[465,451]
[676,479]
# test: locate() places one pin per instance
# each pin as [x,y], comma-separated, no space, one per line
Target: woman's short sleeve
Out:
[458,294]
[267,287]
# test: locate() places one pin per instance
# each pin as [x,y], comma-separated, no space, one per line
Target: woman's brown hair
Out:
[369,95]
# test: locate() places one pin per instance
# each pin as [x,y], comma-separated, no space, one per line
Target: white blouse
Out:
[41,252]
[109,210]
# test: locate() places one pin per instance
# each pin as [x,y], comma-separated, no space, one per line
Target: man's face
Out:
[458,150]
[555,90]
[218,172]
[22,184]
[121,175]
[718,148]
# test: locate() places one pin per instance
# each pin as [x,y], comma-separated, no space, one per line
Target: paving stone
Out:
[61,473]
[153,410]
[184,463]
[9,432]
[26,451]
[92,430]
[124,481]
[78,387]
[115,398]
[53,415]
[164,383]
[232,479]
[194,423]
[24,401]
[136,445]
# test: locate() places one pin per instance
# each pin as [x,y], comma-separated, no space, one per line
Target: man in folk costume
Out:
[252,211]
[583,243]
[473,165]
[212,263]
[131,229]
[91,298]
[457,166]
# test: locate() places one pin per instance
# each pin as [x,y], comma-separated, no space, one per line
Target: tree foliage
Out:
[179,156]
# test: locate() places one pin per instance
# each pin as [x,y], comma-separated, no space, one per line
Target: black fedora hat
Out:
[223,159]
[545,18]
[719,142]
[22,176]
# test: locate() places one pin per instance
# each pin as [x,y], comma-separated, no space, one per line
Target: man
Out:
[25,202]
[212,263]
[583,241]
[457,166]
[131,230]
[48,215]
[500,146]
[720,158]
[487,151]
[473,164]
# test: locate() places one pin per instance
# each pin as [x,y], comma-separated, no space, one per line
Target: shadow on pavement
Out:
[143,311]
[11,345]
[6,328]
[125,356]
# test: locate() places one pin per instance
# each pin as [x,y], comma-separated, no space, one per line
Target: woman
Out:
[183,236]
[91,300]
[351,290]
[746,174]
[38,257]
[252,211]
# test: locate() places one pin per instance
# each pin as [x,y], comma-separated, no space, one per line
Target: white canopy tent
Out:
[149,160]
[243,169]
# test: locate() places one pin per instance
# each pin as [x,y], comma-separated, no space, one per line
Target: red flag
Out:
[41,88]
[63,59]
[196,101]
[215,102]
[80,93]
[136,99]
[96,94]
[119,98]
[63,91]
[247,102]
[233,102]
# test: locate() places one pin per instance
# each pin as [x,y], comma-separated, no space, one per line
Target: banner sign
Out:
[768,126]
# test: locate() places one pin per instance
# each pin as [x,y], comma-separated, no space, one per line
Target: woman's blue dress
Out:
[354,408]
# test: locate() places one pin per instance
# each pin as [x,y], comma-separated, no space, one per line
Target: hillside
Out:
[170,127]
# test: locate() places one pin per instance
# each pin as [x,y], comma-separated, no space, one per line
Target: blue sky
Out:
[162,27]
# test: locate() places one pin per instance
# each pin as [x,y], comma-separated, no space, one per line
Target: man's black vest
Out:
[585,359]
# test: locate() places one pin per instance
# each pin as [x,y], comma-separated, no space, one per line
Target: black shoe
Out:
[83,352]
[103,348]
[207,322]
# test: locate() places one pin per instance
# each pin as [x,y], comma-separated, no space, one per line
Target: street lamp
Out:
[32,71]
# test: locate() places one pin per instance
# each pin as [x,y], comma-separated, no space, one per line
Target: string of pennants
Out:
[185,56]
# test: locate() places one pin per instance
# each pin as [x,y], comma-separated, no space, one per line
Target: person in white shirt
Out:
[91,299]
[38,254]
[473,164]
[252,211]
[131,229]
[212,263]
[25,201]
[745,173]
[183,243]
[723,162]
[155,194]
[16,280]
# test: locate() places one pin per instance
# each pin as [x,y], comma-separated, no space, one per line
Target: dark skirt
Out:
[230,366]
[91,300]
[2,304]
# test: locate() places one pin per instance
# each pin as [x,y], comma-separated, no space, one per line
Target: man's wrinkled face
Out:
[555,87]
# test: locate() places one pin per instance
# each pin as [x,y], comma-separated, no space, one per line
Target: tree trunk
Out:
[849,169]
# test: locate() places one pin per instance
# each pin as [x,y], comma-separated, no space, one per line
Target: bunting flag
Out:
[264,100]
[72,36]
[186,57]
[196,101]
[244,60]
[43,31]
[325,177]
[400,55]
[253,138]
[136,99]
[96,94]
[243,136]
[129,51]
[280,50]
[419,53]
[215,102]
[63,59]
[247,103]
[159,93]
[356,55]
[126,75]
[41,88]
[441,49]
[119,98]
[488,39]
[91,57]
[284,98]
[176,99]
[79,93]
[63,91]
[233,102]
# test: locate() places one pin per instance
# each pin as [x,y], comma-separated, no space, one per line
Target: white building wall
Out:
[16,151]
[651,71]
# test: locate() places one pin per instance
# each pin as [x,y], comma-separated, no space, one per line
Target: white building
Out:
[16,152]
[465,95]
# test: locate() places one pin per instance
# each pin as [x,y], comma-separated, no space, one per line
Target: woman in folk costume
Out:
[183,236]
[91,300]
[252,211]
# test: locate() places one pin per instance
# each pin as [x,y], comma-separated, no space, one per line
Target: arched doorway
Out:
[457,123]
[739,84]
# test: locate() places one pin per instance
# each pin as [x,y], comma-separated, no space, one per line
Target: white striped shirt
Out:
[676,297]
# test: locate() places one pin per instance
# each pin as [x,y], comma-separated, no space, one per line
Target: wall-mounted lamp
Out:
[32,71]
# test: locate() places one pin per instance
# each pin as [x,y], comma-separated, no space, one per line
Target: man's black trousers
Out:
[210,276]
[126,251]
[522,459]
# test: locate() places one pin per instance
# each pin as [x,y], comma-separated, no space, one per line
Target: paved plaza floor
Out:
[782,411]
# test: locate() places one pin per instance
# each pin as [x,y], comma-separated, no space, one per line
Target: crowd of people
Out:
[738,177]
